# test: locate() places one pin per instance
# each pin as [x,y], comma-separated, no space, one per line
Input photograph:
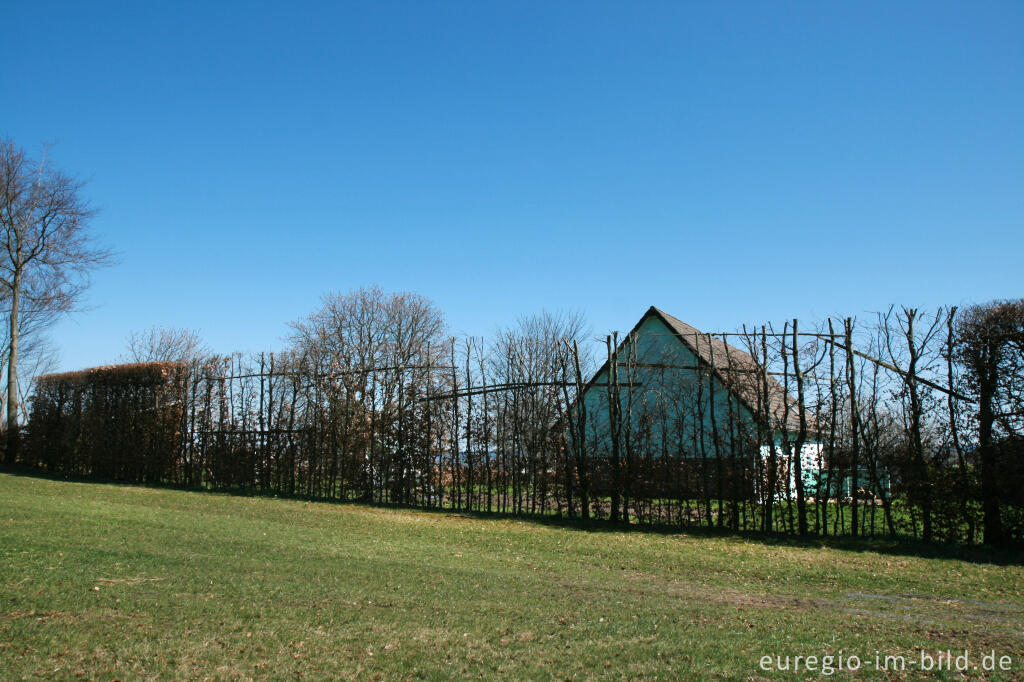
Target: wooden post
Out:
[612,343]
[854,425]
[801,438]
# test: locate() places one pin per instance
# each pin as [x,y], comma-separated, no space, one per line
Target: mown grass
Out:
[104,581]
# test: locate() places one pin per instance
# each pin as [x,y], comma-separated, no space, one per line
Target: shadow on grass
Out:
[889,545]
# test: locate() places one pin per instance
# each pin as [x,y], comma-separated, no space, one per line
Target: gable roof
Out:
[735,368]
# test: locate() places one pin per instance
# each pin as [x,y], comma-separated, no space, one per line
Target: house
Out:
[691,399]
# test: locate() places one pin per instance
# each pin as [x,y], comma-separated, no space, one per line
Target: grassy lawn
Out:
[102,581]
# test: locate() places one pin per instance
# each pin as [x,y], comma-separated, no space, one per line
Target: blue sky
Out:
[729,162]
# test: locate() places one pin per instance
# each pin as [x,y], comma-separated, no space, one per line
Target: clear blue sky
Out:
[729,162]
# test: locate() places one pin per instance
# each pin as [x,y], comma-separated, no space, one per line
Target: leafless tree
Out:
[46,249]
[378,352]
[917,331]
[531,359]
[165,344]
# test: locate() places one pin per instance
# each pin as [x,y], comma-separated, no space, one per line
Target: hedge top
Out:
[137,373]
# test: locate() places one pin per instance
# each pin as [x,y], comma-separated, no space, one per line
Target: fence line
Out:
[792,432]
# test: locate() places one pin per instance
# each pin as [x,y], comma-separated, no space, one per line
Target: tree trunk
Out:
[12,372]
[582,472]
[986,418]
[801,502]
[923,488]
[854,427]
[614,423]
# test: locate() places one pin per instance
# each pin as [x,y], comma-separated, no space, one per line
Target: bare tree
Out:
[46,251]
[378,352]
[918,359]
[529,359]
[165,344]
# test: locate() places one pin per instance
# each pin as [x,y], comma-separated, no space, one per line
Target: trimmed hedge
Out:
[119,422]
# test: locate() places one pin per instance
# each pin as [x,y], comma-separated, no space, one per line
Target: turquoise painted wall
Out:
[671,408]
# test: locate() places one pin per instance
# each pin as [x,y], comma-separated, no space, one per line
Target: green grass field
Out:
[103,581]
